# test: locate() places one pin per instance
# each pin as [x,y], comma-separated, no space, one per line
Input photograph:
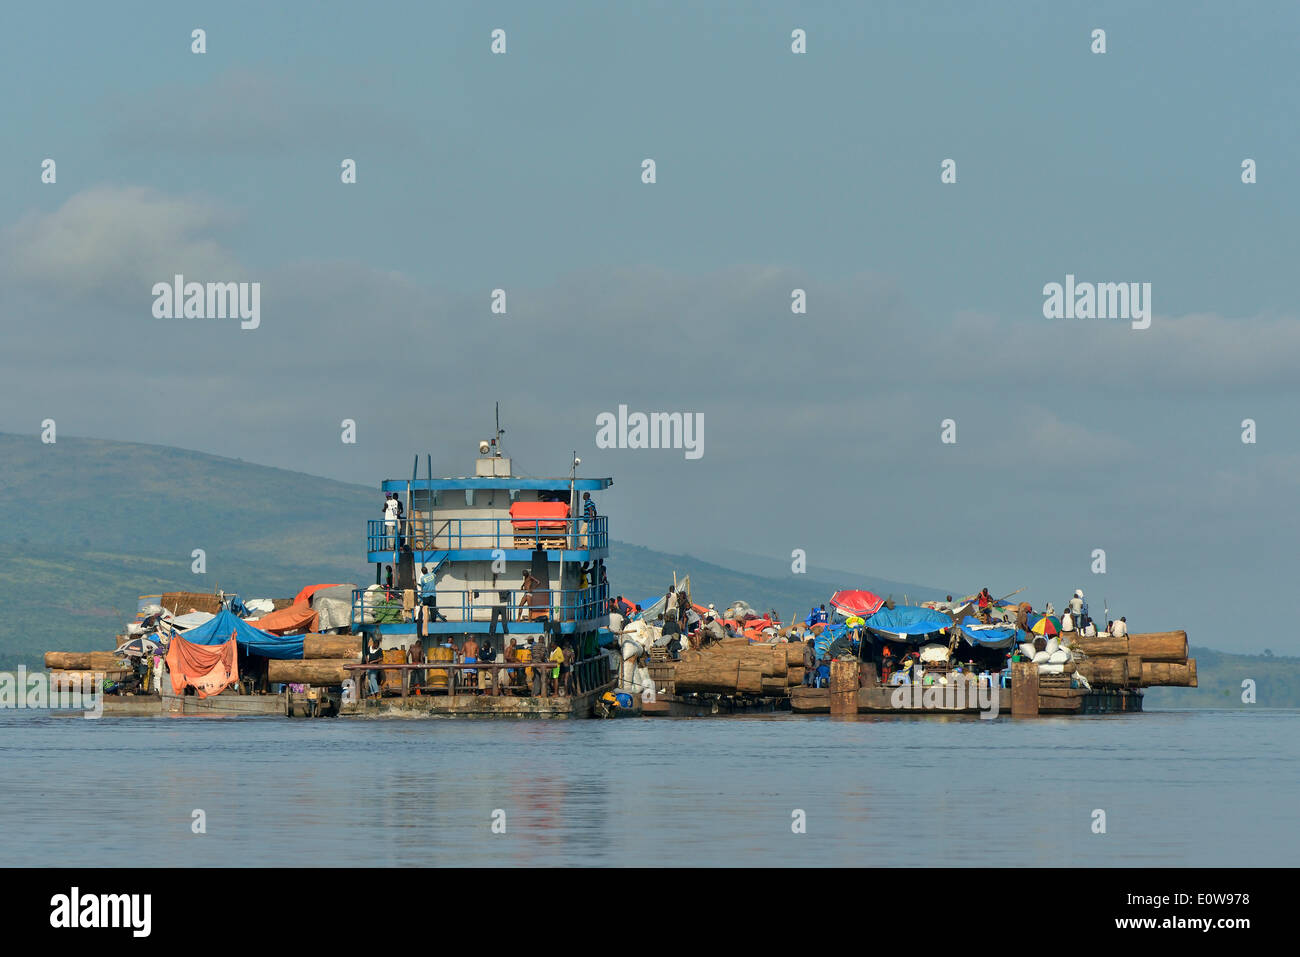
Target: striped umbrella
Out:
[1045,625]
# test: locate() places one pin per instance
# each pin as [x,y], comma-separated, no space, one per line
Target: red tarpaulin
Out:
[209,668]
[545,515]
[857,602]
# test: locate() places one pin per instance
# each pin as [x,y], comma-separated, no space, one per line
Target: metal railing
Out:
[445,534]
[379,605]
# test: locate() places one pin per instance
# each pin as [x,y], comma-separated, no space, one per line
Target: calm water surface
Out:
[1190,787]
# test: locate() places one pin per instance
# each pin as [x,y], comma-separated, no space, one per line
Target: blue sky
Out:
[775,171]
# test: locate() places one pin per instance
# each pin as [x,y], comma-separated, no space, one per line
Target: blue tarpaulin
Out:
[977,633]
[251,640]
[908,620]
[823,641]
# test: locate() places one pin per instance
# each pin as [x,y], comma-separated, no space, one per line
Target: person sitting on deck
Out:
[1120,628]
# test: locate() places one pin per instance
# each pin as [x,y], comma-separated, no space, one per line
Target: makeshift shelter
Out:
[226,626]
[907,622]
[208,668]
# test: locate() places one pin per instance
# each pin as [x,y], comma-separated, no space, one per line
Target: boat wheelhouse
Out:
[507,555]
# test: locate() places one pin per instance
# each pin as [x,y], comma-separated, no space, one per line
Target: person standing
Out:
[429,594]
[390,518]
[373,655]
[588,513]
[501,613]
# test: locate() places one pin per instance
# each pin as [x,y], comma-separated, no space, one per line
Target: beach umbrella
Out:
[857,602]
[141,646]
[1045,625]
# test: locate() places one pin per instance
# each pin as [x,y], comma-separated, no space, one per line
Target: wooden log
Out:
[709,674]
[82,676]
[1105,671]
[332,646]
[794,654]
[1024,689]
[1100,646]
[794,676]
[1172,674]
[1134,668]
[749,680]
[1151,646]
[83,661]
[309,671]
[1159,646]
[774,686]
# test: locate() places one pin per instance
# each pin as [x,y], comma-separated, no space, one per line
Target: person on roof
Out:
[588,513]
[1119,629]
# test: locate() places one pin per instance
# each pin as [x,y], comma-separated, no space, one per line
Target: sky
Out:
[774,171]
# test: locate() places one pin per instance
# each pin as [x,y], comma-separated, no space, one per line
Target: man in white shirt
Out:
[390,517]
[1120,628]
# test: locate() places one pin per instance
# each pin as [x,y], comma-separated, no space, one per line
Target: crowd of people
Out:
[546,666]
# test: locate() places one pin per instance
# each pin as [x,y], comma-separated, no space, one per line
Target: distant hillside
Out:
[89,524]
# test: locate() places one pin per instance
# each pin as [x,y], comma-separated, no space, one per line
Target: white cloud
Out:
[106,241]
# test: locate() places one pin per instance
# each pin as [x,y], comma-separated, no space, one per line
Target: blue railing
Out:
[380,605]
[446,534]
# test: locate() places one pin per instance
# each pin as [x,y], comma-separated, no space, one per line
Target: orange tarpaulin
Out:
[209,668]
[295,618]
[547,516]
[308,591]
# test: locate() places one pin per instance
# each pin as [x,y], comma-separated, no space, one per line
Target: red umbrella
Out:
[857,602]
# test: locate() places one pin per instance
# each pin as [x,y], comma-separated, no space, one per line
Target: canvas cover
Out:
[548,516]
[857,602]
[333,606]
[298,618]
[210,668]
[908,621]
[252,640]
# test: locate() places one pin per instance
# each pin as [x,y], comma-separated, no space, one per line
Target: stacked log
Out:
[1105,671]
[332,646]
[737,666]
[307,671]
[1153,659]
[1155,646]
[83,661]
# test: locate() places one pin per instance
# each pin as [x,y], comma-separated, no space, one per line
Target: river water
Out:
[1176,788]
